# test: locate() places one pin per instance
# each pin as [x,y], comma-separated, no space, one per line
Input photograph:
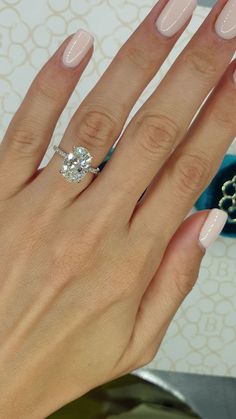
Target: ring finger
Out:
[98,122]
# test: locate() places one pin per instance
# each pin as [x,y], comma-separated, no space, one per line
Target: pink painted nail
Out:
[174,15]
[212,228]
[226,23]
[77,48]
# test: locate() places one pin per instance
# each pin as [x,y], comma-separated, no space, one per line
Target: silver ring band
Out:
[76,164]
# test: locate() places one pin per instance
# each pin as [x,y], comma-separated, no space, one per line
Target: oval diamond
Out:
[83,155]
[76,164]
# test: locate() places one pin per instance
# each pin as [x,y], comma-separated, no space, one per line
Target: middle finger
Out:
[99,120]
[162,122]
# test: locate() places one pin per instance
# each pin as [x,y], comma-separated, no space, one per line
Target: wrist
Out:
[33,396]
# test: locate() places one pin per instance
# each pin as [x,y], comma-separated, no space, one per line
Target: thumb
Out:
[180,265]
[176,275]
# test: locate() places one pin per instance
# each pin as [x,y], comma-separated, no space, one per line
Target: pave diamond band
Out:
[76,164]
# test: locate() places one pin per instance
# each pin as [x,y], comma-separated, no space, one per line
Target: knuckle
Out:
[157,135]
[224,117]
[24,141]
[192,172]
[201,61]
[47,90]
[184,279]
[96,128]
[141,58]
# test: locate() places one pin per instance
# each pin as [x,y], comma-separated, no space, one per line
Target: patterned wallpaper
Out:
[202,338]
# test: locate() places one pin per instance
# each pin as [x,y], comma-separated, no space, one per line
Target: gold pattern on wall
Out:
[202,338]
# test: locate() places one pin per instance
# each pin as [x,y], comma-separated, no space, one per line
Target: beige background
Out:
[202,338]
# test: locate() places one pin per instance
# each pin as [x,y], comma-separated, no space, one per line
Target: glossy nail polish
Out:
[174,15]
[226,23]
[212,228]
[77,48]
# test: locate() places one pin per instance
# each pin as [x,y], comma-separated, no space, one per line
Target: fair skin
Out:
[90,281]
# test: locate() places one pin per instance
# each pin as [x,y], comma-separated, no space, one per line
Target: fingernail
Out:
[77,48]
[226,23]
[212,228]
[174,15]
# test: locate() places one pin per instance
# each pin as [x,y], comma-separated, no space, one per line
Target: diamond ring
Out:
[76,164]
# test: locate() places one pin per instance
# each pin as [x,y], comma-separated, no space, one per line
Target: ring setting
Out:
[76,164]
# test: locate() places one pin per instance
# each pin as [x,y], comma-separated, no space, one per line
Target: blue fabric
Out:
[212,195]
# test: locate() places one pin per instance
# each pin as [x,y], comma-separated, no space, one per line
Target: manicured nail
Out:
[77,48]
[174,15]
[212,228]
[226,23]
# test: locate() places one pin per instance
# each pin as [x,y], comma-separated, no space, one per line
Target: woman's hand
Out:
[90,280]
